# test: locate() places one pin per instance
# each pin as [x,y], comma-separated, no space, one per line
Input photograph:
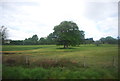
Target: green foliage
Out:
[89,41]
[51,39]
[17,42]
[43,41]
[35,41]
[3,34]
[31,41]
[67,33]
[109,40]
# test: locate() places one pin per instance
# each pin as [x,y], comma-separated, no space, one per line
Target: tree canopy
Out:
[32,40]
[67,33]
[3,33]
[108,40]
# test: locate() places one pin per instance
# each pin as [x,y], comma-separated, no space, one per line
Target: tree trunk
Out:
[65,46]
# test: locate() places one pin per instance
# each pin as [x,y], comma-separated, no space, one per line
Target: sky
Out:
[25,18]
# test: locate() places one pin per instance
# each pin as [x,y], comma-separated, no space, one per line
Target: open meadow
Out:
[54,62]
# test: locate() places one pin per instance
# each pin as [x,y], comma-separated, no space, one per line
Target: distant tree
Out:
[42,41]
[50,39]
[109,40]
[97,43]
[16,42]
[3,33]
[103,40]
[89,41]
[82,37]
[32,40]
[67,33]
[28,41]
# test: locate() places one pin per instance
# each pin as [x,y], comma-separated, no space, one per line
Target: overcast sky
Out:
[24,18]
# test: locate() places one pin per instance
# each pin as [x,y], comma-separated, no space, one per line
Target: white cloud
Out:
[40,16]
[40,0]
[18,35]
[98,11]
[109,26]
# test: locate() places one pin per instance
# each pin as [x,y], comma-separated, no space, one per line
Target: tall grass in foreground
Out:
[52,62]
[18,72]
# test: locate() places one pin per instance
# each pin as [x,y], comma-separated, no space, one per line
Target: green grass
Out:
[58,73]
[46,61]
[21,47]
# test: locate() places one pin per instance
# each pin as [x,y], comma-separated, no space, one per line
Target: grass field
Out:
[53,62]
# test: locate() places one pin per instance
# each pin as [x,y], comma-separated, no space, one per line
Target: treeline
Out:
[67,33]
[109,40]
[34,40]
[50,40]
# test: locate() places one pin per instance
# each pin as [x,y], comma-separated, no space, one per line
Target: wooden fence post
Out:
[84,64]
[113,62]
[27,60]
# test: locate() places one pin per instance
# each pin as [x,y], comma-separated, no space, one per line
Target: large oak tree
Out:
[67,33]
